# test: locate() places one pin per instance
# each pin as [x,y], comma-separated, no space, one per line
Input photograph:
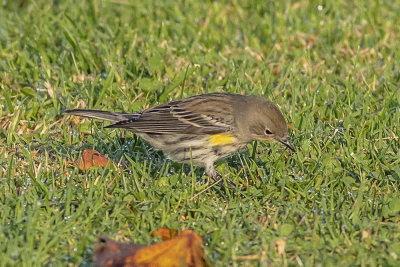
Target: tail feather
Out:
[103,115]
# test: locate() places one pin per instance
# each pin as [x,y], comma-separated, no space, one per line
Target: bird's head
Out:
[266,122]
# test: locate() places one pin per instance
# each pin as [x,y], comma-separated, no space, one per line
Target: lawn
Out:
[333,67]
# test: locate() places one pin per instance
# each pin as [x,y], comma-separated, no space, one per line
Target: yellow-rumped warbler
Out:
[202,128]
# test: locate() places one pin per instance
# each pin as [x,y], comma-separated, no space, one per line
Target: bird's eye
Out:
[268,131]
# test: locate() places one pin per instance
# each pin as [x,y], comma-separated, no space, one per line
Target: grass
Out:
[332,67]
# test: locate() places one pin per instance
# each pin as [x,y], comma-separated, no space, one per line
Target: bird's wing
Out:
[194,115]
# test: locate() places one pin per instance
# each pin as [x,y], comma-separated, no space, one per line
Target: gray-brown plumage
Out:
[202,128]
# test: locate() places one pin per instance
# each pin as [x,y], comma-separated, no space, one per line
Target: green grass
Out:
[333,67]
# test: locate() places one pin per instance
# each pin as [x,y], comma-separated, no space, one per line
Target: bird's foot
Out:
[218,178]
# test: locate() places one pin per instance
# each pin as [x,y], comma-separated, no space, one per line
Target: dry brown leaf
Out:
[291,127]
[165,233]
[79,78]
[111,253]
[49,88]
[365,234]
[184,250]
[280,246]
[92,158]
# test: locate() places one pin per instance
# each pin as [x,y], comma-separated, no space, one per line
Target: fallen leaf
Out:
[49,88]
[165,233]
[365,234]
[247,257]
[92,158]
[184,250]
[280,246]
[79,78]
[275,70]
[111,253]
[291,127]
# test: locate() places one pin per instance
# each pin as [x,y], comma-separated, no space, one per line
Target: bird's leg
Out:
[217,177]
[212,172]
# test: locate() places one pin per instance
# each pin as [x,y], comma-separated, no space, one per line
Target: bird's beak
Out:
[287,143]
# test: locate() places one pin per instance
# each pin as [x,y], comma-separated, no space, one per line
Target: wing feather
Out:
[193,115]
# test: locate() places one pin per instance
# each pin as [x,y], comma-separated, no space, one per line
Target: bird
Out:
[203,128]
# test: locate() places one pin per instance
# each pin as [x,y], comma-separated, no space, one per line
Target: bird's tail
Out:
[103,115]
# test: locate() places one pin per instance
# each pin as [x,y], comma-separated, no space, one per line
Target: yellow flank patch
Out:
[222,139]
